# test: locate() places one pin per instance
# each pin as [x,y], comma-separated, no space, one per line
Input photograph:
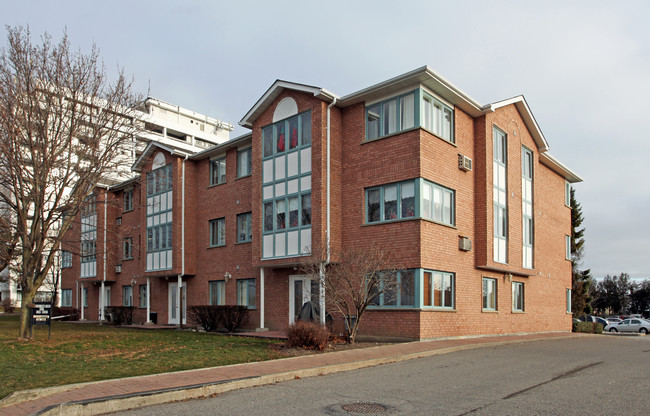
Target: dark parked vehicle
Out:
[591,318]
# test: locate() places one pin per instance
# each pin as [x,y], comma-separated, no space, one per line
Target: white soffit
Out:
[531,124]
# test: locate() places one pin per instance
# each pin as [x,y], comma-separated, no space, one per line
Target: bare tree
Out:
[358,278]
[65,128]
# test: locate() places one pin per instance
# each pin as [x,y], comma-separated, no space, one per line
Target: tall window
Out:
[567,194]
[218,171]
[500,225]
[127,248]
[217,292]
[527,206]
[159,218]
[244,162]
[84,293]
[567,241]
[437,117]
[127,295]
[128,199]
[517,296]
[66,297]
[66,259]
[143,296]
[89,238]
[246,293]
[244,228]
[489,294]
[218,232]
[286,187]
[568,301]
[438,289]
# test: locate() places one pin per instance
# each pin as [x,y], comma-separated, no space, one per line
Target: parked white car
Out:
[630,325]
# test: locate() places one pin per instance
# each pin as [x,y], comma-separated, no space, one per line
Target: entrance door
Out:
[173,317]
[301,289]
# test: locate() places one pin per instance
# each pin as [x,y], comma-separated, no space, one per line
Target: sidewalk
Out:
[121,394]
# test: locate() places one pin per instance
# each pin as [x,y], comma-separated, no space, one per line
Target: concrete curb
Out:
[154,397]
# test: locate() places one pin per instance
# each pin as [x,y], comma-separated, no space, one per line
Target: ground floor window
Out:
[396,288]
[517,297]
[66,297]
[143,296]
[218,292]
[489,294]
[568,301]
[127,295]
[85,297]
[438,289]
[246,293]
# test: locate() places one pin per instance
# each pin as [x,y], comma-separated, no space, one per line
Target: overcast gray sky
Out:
[583,66]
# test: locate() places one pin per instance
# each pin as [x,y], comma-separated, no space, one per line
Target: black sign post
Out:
[42,315]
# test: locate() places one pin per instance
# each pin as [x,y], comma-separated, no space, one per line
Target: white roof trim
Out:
[520,103]
[275,90]
[555,165]
[150,147]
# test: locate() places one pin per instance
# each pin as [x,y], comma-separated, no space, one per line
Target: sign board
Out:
[42,315]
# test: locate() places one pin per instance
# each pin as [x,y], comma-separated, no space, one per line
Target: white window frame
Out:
[518,297]
[500,196]
[528,226]
[489,300]
[567,240]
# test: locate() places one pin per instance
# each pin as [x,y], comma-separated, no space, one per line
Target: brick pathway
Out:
[179,382]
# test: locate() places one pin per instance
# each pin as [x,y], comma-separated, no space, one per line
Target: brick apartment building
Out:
[465,197]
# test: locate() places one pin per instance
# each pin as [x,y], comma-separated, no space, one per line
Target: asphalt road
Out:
[599,375]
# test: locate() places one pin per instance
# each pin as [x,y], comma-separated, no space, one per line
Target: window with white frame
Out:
[437,117]
[217,290]
[246,293]
[438,203]
[527,206]
[127,248]
[218,232]
[489,294]
[244,167]
[128,199]
[66,297]
[89,237]
[142,296]
[127,295]
[66,259]
[286,187]
[218,171]
[567,240]
[244,228]
[396,289]
[517,297]
[159,218]
[438,289]
[500,224]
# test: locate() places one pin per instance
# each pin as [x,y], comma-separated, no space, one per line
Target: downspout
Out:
[328,230]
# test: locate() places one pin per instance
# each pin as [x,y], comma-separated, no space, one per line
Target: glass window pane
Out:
[437,204]
[407,191]
[427,191]
[293,133]
[267,134]
[448,291]
[293,211]
[305,131]
[280,215]
[426,288]
[281,139]
[390,202]
[427,113]
[372,122]
[446,126]
[306,209]
[389,283]
[407,106]
[373,205]
[268,216]
[390,117]
[437,289]
[407,288]
[447,207]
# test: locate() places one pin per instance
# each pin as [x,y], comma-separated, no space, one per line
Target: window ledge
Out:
[243,242]
[243,177]
[127,258]
[222,245]
[519,312]
[216,184]
[489,311]
[128,210]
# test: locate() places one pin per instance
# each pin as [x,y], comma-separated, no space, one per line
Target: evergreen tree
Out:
[581,279]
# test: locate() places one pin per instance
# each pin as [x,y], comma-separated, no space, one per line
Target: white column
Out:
[102,295]
[83,302]
[261,297]
[148,301]
[178,300]
[321,290]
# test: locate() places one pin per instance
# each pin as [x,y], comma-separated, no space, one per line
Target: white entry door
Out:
[173,315]
[301,289]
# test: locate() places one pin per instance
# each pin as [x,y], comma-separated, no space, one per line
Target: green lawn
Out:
[87,352]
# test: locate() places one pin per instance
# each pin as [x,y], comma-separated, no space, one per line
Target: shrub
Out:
[120,315]
[588,327]
[8,306]
[69,314]
[307,335]
[232,317]
[205,315]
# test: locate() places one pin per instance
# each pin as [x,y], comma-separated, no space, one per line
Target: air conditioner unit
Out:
[464,244]
[464,163]
[118,268]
